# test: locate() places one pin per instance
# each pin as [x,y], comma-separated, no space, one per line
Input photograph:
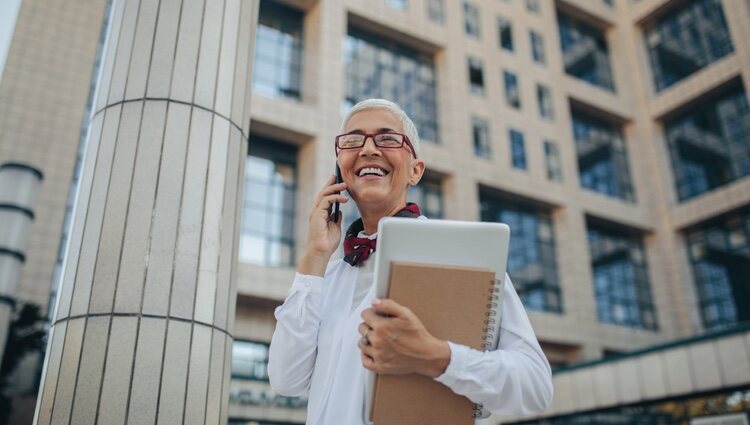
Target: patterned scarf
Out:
[356,249]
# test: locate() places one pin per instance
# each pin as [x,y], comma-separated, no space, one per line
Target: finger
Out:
[363,329]
[371,319]
[327,201]
[364,348]
[367,362]
[329,189]
[389,307]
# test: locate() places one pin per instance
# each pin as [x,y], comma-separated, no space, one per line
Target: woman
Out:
[328,330]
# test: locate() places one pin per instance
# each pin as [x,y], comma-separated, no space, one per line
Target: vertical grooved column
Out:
[142,327]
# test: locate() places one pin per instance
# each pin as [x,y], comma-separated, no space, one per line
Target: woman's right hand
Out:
[323,234]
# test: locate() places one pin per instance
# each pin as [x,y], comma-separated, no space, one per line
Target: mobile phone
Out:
[336,206]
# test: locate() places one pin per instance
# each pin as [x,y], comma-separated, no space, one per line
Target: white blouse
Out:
[314,347]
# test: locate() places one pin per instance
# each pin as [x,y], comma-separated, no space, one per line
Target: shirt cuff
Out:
[456,365]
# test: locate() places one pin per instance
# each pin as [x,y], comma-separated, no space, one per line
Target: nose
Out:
[369,148]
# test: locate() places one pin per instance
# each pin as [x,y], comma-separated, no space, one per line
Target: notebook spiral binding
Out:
[489,334]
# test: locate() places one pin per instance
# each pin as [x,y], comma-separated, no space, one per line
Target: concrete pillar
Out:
[19,184]
[143,323]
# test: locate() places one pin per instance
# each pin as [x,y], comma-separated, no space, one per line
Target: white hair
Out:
[406,123]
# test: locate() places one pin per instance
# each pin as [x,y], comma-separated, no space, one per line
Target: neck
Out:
[371,217]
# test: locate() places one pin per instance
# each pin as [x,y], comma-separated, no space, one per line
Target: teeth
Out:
[371,170]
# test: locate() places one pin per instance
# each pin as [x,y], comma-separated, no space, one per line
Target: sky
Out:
[8,14]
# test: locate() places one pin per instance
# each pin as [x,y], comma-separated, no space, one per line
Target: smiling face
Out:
[378,178]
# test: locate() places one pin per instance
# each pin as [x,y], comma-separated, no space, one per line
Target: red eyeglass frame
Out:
[336,147]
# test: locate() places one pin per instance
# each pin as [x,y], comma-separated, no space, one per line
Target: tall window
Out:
[428,194]
[544,100]
[267,234]
[481,136]
[398,4]
[552,161]
[471,20]
[250,360]
[436,11]
[517,149]
[532,264]
[383,69]
[585,52]
[537,47]
[505,33]
[278,51]
[533,6]
[710,144]
[602,158]
[622,289]
[685,40]
[7,25]
[476,76]
[721,268]
[512,93]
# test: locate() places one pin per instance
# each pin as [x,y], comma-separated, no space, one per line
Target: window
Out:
[685,40]
[544,100]
[602,158]
[533,6]
[398,4]
[512,94]
[428,194]
[531,262]
[552,161]
[537,47]
[250,360]
[379,68]
[7,25]
[436,11]
[267,234]
[517,149]
[471,20]
[720,270]
[710,144]
[278,51]
[622,289]
[481,136]
[585,52]
[476,76]
[505,32]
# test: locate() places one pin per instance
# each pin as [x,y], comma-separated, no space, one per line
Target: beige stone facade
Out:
[47,77]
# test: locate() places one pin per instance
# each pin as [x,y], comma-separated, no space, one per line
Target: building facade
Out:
[613,136]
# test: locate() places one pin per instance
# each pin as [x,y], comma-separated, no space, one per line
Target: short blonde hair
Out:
[408,125]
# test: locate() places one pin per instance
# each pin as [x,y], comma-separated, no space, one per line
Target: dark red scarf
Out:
[357,250]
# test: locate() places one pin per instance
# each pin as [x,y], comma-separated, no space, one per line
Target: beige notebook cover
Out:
[452,303]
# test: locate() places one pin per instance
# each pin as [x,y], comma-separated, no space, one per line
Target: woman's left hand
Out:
[394,341]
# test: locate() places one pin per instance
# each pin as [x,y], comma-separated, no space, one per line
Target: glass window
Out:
[585,52]
[720,263]
[621,286]
[436,11]
[481,137]
[602,157]
[267,234]
[398,4]
[250,360]
[517,149]
[476,76]
[532,264]
[533,6]
[383,69]
[428,194]
[710,144]
[512,93]
[277,71]
[537,47]
[8,16]
[505,32]
[685,40]
[544,100]
[552,161]
[471,20]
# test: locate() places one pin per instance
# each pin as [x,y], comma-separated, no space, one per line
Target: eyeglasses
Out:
[386,140]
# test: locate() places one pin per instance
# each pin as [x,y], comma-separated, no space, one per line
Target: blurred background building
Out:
[613,136]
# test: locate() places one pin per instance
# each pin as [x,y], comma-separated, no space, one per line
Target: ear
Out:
[416,171]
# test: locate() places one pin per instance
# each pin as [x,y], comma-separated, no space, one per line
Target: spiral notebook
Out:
[458,304]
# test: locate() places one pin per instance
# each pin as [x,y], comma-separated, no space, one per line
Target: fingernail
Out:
[376,301]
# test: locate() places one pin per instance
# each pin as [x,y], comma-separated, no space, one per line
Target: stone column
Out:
[143,322]
[19,184]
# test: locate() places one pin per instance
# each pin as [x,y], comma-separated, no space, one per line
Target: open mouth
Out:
[373,171]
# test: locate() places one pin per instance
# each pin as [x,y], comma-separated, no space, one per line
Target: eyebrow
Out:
[380,130]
